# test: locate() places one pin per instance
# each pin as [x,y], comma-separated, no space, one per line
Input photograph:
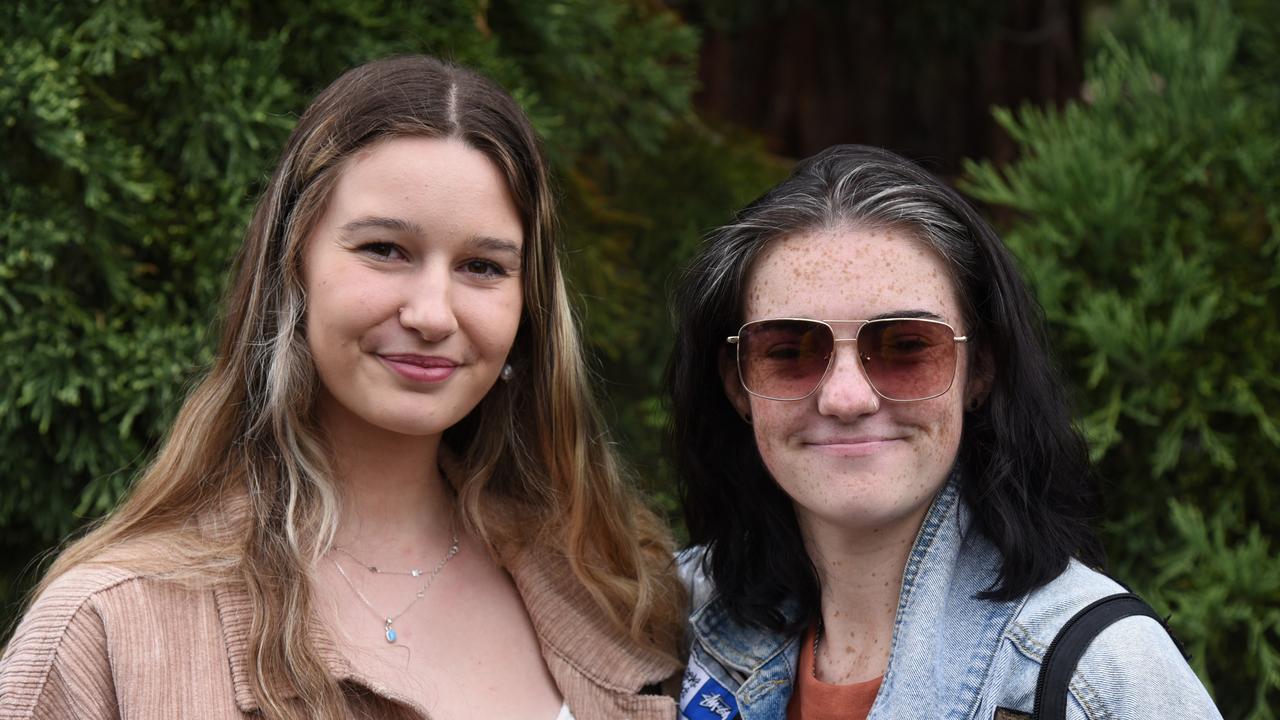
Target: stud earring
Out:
[507,373]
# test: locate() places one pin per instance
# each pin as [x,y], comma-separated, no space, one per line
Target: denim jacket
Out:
[953,655]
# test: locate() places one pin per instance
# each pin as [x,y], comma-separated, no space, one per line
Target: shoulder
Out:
[63,606]
[104,633]
[58,653]
[1049,607]
[1132,669]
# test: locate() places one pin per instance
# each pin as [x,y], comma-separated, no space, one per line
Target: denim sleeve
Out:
[1133,671]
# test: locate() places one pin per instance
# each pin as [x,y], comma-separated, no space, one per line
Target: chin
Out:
[417,426]
[871,516]
[407,423]
[869,501]
[409,429]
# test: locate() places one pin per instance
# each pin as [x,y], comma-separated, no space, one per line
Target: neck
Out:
[396,504]
[860,571]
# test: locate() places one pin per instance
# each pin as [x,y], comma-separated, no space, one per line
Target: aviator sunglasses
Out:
[903,359]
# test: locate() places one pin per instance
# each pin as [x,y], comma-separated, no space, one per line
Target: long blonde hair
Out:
[534,473]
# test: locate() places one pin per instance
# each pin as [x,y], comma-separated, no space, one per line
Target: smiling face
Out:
[413,281]
[844,455]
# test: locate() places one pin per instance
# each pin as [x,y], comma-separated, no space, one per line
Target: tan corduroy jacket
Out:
[103,642]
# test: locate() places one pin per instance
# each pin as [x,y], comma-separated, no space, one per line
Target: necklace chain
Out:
[415,572]
[388,631]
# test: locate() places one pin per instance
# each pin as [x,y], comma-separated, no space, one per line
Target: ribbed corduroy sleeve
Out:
[57,664]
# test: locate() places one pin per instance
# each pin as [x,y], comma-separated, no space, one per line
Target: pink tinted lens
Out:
[784,359]
[908,359]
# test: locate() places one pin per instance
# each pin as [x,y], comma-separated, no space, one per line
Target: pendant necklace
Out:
[388,631]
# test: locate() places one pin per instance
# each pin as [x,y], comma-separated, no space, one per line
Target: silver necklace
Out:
[388,631]
[415,572]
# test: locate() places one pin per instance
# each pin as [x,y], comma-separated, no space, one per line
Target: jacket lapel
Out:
[598,667]
[943,637]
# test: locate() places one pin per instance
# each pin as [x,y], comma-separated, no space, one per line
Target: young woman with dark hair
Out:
[388,497]
[889,505]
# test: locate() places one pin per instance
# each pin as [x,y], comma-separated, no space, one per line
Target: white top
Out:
[565,713]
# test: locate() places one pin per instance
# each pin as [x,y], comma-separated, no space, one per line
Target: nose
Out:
[427,307]
[845,393]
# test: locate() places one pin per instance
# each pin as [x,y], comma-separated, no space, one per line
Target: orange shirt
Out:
[813,699]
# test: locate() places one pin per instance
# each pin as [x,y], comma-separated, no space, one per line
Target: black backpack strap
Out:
[1070,644]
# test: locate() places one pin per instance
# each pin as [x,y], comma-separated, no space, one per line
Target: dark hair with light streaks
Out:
[1023,467]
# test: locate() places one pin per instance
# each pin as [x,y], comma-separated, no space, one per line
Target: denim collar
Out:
[945,637]
[739,646]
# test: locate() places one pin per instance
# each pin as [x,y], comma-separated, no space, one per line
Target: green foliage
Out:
[138,133]
[1147,216]
[1217,604]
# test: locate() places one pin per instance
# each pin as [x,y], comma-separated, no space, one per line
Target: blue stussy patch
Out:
[702,697]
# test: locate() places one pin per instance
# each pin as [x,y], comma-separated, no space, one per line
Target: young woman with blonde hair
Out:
[388,498]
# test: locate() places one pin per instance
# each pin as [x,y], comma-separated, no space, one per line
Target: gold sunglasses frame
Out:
[735,340]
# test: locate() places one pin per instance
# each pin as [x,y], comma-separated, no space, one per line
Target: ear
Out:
[982,376]
[733,389]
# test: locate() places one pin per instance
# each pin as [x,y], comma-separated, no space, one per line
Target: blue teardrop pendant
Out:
[391,632]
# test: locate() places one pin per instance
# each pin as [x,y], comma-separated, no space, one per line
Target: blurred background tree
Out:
[1139,189]
[1147,214]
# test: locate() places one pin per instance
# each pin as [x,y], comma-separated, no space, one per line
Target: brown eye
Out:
[381,250]
[484,268]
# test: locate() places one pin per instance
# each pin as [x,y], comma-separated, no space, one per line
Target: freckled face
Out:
[845,456]
[413,279]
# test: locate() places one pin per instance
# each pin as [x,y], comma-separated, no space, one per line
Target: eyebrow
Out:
[484,242]
[386,223]
[914,314]
[408,227]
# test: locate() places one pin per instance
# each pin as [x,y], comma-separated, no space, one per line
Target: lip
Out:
[420,368]
[860,446]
